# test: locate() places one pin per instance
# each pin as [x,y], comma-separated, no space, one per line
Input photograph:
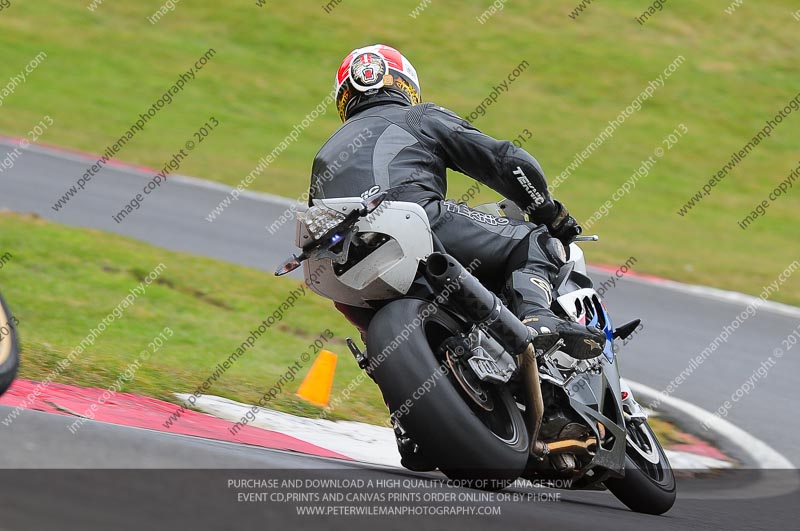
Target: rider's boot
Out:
[580,341]
[531,299]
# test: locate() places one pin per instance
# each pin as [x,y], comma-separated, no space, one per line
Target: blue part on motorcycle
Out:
[608,350]
[336,237]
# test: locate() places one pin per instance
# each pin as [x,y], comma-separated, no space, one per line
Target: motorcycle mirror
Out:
[373,202]
[289,265]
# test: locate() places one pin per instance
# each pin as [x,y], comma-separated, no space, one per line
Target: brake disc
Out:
[470,383]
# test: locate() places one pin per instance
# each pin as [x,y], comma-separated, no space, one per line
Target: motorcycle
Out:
[464,379]
[9,347]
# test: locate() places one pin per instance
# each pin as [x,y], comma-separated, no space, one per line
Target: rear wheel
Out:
[9,347]
[649,484]
[471,430]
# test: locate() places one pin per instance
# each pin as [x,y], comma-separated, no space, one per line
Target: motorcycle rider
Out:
[391,141]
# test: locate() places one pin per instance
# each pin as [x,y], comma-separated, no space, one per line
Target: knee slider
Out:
[553,249]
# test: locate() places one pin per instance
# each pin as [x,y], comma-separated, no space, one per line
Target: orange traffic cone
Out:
[316,388]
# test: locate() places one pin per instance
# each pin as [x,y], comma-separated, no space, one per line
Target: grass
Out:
[61,282]
[275,64]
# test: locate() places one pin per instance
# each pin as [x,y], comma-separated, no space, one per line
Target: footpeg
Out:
[552,350]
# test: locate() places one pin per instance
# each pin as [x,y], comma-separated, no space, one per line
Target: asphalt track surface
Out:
[678,326]
[51,480]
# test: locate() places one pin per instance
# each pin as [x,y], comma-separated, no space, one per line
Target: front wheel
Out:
[649,484]
[469,429]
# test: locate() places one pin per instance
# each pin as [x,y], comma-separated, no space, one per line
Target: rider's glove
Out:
[563,226]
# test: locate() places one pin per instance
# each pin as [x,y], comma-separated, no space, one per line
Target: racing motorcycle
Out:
[477,393]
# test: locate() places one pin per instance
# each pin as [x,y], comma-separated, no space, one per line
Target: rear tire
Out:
[9,347]
[647,487]
[432,407]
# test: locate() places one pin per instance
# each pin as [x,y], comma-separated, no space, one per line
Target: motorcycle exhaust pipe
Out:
[468,296]
[534,411]
[573,446]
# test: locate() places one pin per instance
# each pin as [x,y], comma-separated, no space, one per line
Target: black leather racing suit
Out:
[406,150]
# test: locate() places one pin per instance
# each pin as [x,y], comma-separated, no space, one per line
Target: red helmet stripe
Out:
[344,68]
[392,56]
